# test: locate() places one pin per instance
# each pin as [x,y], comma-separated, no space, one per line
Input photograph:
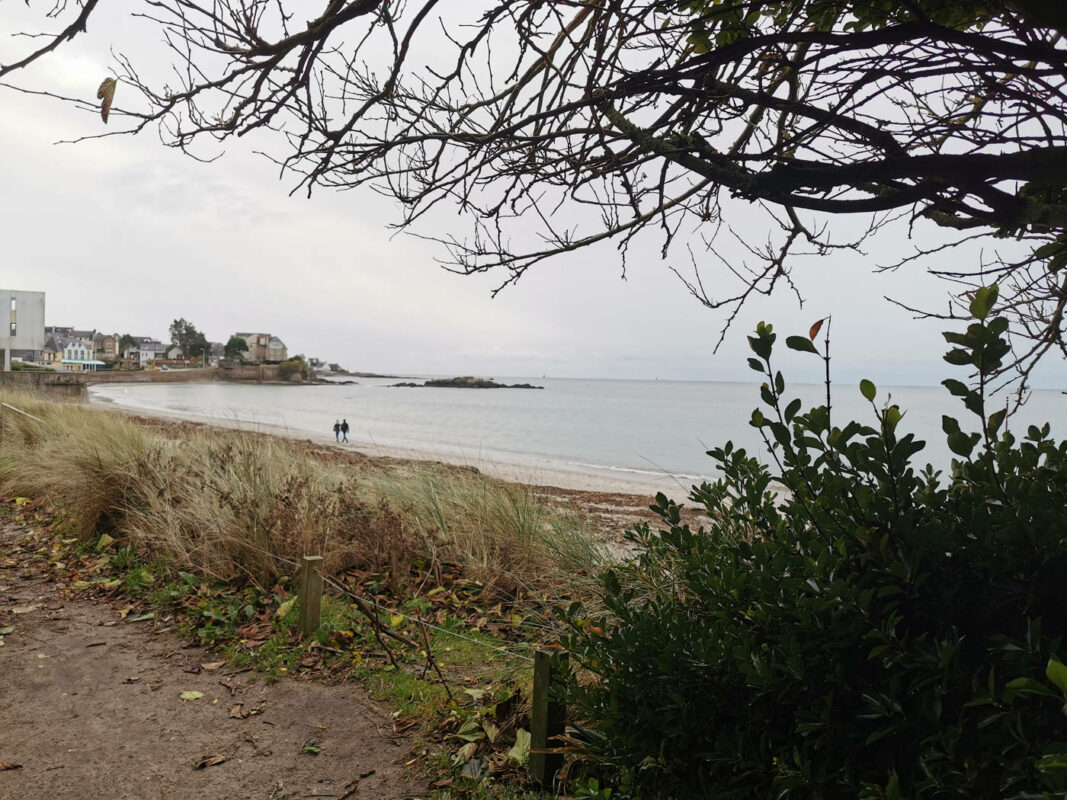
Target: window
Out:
[12,328]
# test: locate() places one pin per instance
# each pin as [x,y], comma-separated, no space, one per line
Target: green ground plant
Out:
[878,633]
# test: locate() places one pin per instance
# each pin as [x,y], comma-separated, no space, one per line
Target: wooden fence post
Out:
[548,717]
[309,587]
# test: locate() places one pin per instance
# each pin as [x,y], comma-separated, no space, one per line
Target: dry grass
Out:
[231,504]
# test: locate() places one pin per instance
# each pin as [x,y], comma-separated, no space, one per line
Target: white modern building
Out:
[23,327]
[78,357]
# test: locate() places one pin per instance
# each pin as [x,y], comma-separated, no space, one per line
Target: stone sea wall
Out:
[72,385]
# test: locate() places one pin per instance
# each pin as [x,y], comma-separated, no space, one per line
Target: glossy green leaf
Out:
[801,344]
[957,388]
[1057,673]
[983,301]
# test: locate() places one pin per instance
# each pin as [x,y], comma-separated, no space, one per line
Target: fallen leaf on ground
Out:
[521,751]
[9,765]
[406,725]
[7,629]
[311,747]
[25,609]
[211,761]
[190,696]
[285,607]
[45,655]
[237,711]
[475,768]
[141,617]
[211,666]
[464,754]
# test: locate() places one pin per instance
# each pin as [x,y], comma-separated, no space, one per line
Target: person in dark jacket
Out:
[337,431]
[344,430]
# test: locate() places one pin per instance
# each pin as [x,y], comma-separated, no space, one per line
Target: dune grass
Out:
[236,506]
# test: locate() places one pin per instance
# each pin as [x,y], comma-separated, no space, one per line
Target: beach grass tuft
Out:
[236,505]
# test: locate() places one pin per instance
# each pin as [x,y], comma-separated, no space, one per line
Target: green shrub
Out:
[287,370]
[873,634]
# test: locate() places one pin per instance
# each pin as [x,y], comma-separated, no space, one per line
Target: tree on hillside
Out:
[602,121]
[126,343]
[192,342]
[234,347]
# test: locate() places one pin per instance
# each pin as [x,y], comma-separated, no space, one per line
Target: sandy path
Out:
[90,707]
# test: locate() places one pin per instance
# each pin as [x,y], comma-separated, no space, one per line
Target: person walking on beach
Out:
[337,431]
[344,431]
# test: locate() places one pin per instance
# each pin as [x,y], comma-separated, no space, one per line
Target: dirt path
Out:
[90,707]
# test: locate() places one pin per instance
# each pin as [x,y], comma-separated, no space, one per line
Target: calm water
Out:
[633,430]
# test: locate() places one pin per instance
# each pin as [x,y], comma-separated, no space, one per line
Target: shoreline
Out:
[531,475]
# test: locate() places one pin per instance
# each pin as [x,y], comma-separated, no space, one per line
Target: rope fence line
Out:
[5,407]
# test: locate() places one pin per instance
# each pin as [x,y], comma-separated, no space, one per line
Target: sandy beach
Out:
[593,481]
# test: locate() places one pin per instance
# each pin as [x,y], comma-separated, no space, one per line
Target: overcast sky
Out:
[125,235]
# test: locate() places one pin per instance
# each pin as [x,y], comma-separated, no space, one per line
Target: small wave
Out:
[658,473]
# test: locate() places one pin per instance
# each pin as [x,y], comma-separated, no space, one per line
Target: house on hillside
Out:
[53,350]
[78,357]
[151,351]
[88,338]
[264,348]
[133,352]
[257,346]
[276,350]
[175,353]
[109,345]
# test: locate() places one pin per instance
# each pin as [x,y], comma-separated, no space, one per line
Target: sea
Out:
[644,432]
